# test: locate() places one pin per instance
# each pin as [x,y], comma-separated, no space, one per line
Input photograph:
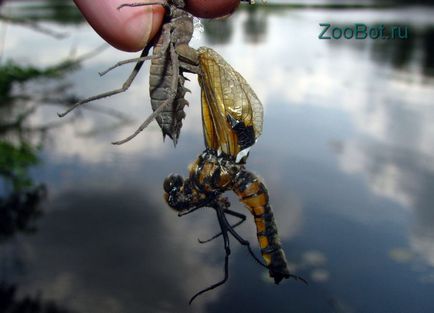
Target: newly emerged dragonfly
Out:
[171,58]
[232,118]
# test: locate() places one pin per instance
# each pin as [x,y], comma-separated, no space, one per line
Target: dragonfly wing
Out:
[209,131]
[254,104]
[231,111]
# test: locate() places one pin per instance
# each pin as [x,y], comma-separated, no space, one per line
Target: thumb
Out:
[128,29]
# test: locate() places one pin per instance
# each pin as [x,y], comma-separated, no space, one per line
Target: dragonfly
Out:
[171,58]
[232,119]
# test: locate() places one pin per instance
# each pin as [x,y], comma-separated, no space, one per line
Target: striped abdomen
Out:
[253,193]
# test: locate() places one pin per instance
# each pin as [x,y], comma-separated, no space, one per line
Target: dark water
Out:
[347,154]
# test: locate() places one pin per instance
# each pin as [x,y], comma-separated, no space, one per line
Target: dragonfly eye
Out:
[173,182]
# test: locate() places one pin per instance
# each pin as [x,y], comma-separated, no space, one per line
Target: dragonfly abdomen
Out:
[254,195]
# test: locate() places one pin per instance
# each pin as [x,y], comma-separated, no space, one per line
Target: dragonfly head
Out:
[173,183]
[173,187]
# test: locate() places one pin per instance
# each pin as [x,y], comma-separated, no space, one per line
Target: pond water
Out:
[347,154]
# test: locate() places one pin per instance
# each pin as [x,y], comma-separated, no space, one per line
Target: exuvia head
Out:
[178,3]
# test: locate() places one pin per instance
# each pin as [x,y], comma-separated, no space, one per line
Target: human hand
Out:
[126,29]
[130,29]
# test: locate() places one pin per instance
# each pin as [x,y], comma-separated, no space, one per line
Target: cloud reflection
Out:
[113,250]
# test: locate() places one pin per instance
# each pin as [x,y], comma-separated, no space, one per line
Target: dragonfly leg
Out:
[210,202]
[172,95]
[191,68]
[195,208]
[242,241]
[220,216]
[124,87]
[189,211]
[120,63]
[141,4]
[164,47]
[242,218]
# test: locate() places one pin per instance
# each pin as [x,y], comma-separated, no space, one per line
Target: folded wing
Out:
[232,114]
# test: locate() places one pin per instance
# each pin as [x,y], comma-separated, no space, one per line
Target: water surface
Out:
[347,154]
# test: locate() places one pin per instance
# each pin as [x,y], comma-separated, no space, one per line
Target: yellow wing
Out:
[232,114]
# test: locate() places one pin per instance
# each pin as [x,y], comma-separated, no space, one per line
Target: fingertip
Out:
[127,29]
[211,9]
